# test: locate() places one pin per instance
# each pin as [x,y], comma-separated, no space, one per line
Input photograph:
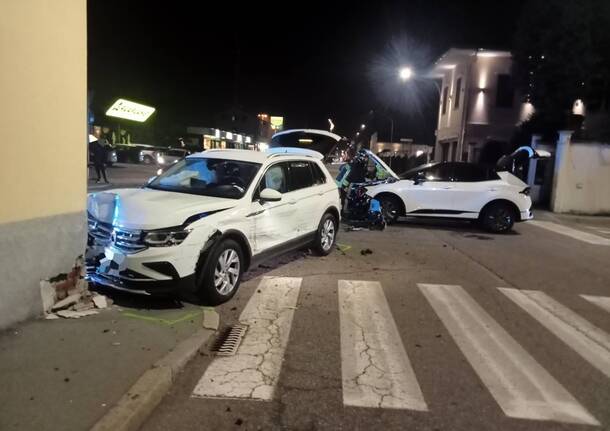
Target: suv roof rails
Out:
[293,151]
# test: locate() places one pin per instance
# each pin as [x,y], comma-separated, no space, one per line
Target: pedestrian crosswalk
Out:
[376,371]
[580,235]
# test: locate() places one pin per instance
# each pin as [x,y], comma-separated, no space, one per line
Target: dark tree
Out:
[562,53]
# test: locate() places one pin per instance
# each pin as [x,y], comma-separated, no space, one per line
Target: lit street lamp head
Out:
[406,73]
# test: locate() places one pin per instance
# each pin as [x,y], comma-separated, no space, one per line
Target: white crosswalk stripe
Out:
[375,368]
[520,385]
[587,340]
[253,372]
[572,233]
[376,371]
[602,302]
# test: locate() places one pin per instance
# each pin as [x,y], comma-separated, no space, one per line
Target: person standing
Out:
[99,160]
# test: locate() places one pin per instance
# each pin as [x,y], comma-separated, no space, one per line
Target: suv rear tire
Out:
[498,217]
[220,276]
[326,236]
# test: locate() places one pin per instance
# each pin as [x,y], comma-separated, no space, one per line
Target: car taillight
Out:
[525,191]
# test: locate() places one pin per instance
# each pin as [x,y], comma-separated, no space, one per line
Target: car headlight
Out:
[160,159]
[165,238]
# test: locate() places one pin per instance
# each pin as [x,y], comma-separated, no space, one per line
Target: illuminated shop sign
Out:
[130,110]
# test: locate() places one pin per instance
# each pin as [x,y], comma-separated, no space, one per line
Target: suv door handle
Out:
[292,202]
[493,189]
[447,187]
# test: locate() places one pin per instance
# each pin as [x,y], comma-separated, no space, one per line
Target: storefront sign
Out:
[130,110]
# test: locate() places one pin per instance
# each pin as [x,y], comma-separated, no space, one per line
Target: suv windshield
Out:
[208,177]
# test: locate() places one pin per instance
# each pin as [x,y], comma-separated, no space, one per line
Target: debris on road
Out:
[100,301]
[66,302]
[211,319]
[366,251]
[69,314]
[68,295]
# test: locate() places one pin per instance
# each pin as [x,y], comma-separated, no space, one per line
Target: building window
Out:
[505,91]
[458,93]
[445,95]
[445,151]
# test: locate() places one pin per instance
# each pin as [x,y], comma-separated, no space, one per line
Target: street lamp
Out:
[362,126]
[405,73]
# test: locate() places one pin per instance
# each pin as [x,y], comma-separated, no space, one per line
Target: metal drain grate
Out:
[229,340]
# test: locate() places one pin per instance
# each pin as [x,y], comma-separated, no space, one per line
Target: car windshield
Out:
[208,177]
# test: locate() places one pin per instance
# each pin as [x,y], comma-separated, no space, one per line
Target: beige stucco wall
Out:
[43,93]
[582,178]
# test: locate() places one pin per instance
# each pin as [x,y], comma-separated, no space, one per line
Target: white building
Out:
[478,107]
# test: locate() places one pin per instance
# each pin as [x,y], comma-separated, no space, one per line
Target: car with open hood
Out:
[494,197]
[199,225]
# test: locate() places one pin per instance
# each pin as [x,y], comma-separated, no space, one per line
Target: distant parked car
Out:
[170,156]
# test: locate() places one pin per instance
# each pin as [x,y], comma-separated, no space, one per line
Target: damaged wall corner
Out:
[42,211]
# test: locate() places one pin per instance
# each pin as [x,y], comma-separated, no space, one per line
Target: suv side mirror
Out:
[270,195]
[419,178]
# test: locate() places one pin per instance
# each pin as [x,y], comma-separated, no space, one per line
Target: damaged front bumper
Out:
[155,271]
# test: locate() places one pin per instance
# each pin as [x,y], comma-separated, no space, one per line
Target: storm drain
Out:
[229,340]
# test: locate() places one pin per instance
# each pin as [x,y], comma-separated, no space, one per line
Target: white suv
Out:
[197,227]
[494,197]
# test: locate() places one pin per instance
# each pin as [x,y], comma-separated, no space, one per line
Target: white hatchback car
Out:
[198,226]
[494,197]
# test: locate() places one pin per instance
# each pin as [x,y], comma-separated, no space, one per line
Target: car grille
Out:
[104,234]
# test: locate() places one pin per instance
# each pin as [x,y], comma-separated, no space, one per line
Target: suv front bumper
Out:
[152,271]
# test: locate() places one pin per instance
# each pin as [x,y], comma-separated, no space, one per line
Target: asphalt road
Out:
[416,335]
[122,175]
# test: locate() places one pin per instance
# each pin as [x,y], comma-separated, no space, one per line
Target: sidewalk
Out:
[65,374]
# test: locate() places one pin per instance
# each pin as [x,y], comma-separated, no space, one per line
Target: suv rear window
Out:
[300,175]
[318,175]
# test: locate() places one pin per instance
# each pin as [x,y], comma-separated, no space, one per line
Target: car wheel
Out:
[498,217]
[221,274]
[148,160]
[326,235]
[390,208]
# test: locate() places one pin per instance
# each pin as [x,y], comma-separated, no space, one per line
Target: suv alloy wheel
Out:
[220,275]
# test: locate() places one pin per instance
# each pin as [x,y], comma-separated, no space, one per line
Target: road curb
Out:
[147,392]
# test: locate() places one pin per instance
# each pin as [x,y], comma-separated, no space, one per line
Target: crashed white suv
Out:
[494,197]
[198,226]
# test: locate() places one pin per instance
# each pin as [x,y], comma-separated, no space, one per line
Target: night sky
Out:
[307,61]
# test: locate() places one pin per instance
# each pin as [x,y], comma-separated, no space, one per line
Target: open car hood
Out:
[311,139]
[383,164]
[520,155]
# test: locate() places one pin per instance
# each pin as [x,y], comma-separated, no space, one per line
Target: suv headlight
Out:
[165,238]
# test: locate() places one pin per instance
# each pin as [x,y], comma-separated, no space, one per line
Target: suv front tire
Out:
[220,276]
